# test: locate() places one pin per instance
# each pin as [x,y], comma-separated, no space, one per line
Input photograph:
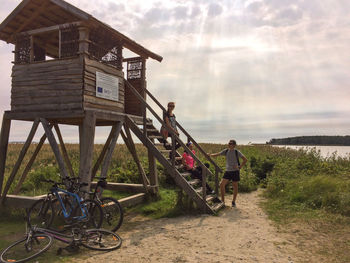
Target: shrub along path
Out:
[242,234]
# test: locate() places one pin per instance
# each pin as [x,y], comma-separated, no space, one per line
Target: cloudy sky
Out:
[245,69]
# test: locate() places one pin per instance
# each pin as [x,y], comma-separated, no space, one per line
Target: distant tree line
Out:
[312,140]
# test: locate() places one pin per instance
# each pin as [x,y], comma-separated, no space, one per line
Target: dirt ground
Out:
[241,234]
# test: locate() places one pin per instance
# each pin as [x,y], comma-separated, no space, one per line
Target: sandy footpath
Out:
[242,234]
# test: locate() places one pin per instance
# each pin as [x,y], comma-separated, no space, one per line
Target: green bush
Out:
[296,178]
[248,182]
[34,184]
[261,168]
[317,192]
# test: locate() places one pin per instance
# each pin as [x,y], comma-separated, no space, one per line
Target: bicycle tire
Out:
[41,214]
[18,252]
[112,214]
[101,240]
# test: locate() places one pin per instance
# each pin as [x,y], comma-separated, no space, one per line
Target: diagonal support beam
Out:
[132,149]
[64,150]
[103,153]
[30,163]
[109,153]
[54,147]
[20,159]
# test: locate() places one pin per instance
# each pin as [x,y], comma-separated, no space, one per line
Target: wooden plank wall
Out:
[132,104]
[49,85]
[90,99]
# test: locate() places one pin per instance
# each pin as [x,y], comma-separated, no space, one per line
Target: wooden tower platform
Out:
[68,69]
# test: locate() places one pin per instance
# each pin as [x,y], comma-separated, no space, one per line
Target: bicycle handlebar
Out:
[67,178]
[51,181]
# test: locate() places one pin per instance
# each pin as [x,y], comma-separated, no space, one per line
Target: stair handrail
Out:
[163,123]
[186,133]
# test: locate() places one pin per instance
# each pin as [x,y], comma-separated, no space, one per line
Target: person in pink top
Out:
[189,164]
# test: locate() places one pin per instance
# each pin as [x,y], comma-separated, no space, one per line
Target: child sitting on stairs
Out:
[189,163]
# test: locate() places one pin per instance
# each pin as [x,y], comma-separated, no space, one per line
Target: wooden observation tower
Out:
[68,69]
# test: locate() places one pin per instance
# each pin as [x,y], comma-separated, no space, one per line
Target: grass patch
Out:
[115,194]
[329,233]
[167,205]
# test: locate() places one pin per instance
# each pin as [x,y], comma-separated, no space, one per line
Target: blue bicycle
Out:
[61,208]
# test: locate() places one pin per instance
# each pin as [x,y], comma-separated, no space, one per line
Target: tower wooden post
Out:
[153,175]
[86,137]
[4,138]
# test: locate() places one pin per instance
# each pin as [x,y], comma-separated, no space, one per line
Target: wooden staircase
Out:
[166,154]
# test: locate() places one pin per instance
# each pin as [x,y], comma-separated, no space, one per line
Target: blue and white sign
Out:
[107,86]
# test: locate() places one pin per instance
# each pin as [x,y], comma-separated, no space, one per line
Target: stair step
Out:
[150,129]
[164,151]
[194,181]
[199,190]
[217,206]
[148,122]
[180,166]
[186,174]
[155,137]
[210,198]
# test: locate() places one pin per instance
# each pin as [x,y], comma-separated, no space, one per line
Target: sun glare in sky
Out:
[250,70]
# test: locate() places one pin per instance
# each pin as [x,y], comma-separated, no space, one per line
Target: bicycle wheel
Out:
[24,249]
[101,239]
[94,213]
[41,214]
[112,214]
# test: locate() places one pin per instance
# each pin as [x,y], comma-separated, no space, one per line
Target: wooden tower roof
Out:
[30,15]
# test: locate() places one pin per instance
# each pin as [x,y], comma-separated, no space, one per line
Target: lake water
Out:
[326,151]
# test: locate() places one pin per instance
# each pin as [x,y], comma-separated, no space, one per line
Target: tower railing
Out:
[176,139]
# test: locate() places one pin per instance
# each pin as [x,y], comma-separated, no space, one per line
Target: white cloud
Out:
[251,68]
[214,9]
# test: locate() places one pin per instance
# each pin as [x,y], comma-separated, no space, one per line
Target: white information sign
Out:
[107,86]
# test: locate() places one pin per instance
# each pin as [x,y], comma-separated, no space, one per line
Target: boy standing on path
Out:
[232,169]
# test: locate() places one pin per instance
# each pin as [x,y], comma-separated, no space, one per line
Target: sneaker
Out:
[233,204]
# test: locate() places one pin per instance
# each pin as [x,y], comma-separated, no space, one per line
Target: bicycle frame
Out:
[96,195]
[56,190]
[68,239]
[56,235]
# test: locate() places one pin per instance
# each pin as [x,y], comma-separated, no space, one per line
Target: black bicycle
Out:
[61,208]
[38,240]
[112,210]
